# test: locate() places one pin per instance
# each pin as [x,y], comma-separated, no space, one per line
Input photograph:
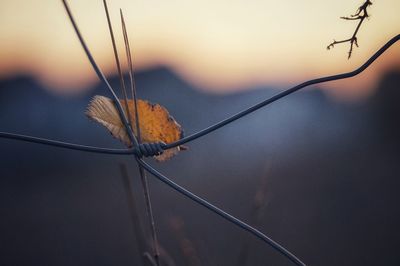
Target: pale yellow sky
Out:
[219,45]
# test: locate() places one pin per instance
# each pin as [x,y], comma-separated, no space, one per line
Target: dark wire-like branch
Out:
[66,145]
[101,75]
[216,126]
[281,95]
[222,213]
[360,15]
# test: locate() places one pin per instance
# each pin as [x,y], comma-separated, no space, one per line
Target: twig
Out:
[131,73]
[121,77]
[135,217]
[101,75]
[103,78]
[141,240]
[360,15]
[150,215]
[143,176]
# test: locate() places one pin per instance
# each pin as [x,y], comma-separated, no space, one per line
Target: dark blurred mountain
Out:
[385,103]
[328,172]
[27,108]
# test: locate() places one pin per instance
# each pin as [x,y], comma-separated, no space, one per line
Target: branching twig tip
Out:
[361,14]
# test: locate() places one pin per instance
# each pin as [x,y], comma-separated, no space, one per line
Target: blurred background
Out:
[317,171]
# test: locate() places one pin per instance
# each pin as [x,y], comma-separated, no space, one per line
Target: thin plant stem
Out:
[102,77]
[117,62]
[149,210]
[360,15]
[143,176]
[135,217]
[131,74]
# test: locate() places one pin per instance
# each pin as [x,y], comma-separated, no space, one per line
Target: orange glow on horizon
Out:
[220,46]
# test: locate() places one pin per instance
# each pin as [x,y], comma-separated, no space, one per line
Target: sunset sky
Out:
[220,46]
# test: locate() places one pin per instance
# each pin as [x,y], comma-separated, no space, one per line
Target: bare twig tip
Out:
[360,15]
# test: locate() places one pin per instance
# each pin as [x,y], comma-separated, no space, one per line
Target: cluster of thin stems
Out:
[155,259]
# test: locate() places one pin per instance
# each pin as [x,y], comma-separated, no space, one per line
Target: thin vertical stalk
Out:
[131,73]
[143,175]
[141,240]
[101,75]
[121,77]
[135,217]
[149,209]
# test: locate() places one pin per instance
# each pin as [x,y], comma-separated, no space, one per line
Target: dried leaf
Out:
[155,122]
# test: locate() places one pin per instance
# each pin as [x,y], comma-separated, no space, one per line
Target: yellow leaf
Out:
[155,122]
